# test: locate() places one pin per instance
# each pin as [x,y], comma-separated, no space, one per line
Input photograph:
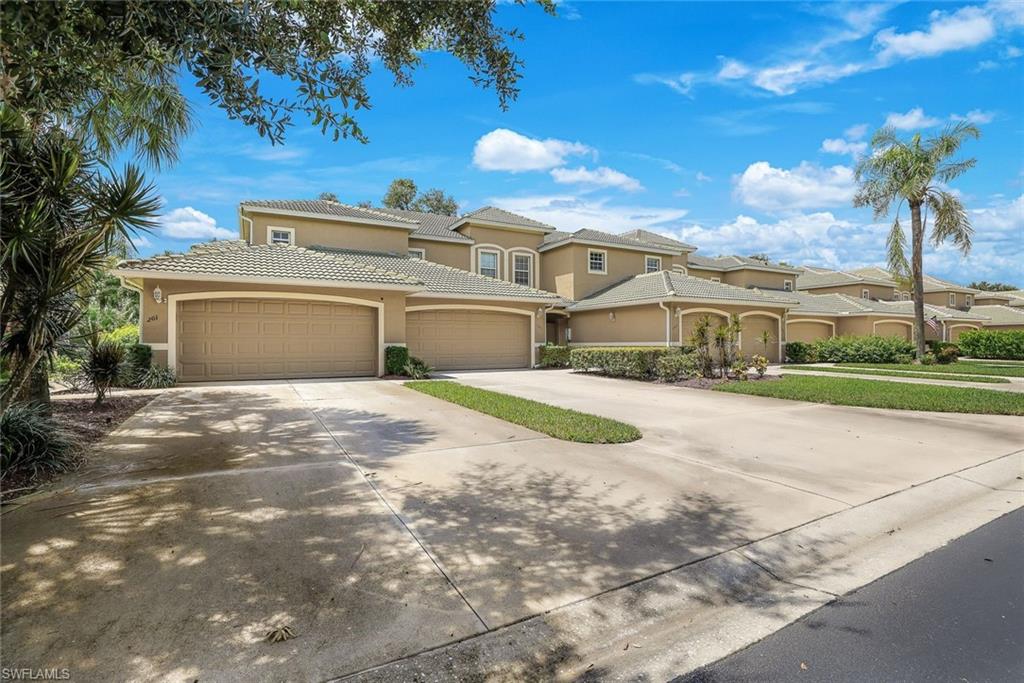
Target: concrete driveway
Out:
[378,522]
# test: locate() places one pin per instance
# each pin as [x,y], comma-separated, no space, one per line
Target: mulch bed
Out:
[705,383]
[86,424]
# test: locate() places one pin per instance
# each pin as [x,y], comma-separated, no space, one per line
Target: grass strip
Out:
[959,368]
[872,393]
[894,373]
[561,423]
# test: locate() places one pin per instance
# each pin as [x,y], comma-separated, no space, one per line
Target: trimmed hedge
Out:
[634,362]
[800,352]
[395,360]
[995,344]
[872,349]
[552,356]
[676,367]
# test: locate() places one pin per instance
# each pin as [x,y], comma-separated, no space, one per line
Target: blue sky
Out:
[732,126]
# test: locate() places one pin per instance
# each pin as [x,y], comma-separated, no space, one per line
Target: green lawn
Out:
[568,425]
[958,368]
[894,373]
[871,393]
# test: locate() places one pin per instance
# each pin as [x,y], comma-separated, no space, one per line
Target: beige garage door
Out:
[469,340]
[750,337]
[219,339]
[894,330]
[807,331]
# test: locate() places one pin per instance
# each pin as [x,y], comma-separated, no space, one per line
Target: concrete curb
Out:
[669,624]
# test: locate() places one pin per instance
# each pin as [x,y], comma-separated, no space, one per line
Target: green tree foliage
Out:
[916,172]
[329,197]
[110,69]
[987,286]
[401,194]
[436,201]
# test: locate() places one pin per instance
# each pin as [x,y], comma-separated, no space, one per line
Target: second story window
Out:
[522,269]
[488,263]
[865,293]
[282,236]
[787,285]
[418,253]
[652,264]
[597,261]
[952,300]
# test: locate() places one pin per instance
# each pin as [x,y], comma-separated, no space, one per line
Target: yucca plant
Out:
[104,364]
[916,172]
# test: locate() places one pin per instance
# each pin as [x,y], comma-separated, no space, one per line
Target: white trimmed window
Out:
[969,300]
[487,263]
[417,253]
[652,264]
[597,261]
[281,236]
[522,269]
[952,299]
[716,279]
[787,285]
[865,293]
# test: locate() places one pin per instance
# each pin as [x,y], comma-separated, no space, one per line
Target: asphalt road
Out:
[956,614]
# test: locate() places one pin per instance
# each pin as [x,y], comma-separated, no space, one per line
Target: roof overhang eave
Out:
[612,245]
[283,281]
[412,227]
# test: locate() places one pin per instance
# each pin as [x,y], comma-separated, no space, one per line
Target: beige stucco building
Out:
[316,288]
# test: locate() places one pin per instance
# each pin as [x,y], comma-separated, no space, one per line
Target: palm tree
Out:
[765,338]
[64,215]
[915,172]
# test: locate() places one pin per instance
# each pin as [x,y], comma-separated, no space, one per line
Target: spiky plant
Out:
[915,172]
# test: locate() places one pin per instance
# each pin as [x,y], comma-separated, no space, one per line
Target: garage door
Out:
[806,331]
[469,340]
[893,330]
[220,339]
[750,337]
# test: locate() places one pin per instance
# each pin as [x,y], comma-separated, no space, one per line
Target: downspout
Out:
[945,334]
[668,323]
[243,217]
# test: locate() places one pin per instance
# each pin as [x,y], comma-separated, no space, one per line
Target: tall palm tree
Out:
[915,172]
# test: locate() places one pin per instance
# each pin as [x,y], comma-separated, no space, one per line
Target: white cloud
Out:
[765,187]
[975,116]
[570,212]
[602,176]
[681,192]
[278,153]
[1011,52]
[913,119]
[965,28]
[682,84]
[840,146]
[856,132]
[702,178]
[786,79]
[186,223]
[986,65]
[506,150]
[732,69]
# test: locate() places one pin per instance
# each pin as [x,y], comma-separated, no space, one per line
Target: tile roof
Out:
[585,235]
[934,284]
[238,259]
[430,224]
[441,279]
[671,285]
[492,214]
[1016,297]
[1001,315]
[828,304]
[733,262]
[656,238]
[327,208]
[811,277]
[906,308]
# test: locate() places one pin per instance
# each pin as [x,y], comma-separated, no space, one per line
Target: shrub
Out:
[947,354]
[552,356]
[624,361]
[104,365]
[395,360]
[417,369]
[138,358]
[126,335]
[800,352]
[32,441]
[760,364]
[996,344]
[156,377]
[904,358]
[740,368]
[928,359]
[675,367]
[871,349]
